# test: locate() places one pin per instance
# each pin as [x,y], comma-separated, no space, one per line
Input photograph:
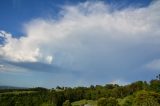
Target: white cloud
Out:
[89,37]
[11,68]
[49,59]
[2,34]
[1,66]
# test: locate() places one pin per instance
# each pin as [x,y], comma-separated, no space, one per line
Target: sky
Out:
[51,43]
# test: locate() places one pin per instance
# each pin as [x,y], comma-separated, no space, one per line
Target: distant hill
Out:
[11,87]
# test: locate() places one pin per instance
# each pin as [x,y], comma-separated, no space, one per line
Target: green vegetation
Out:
[18,92]
[139,93]
[67,103]
[83,102]
[107,102]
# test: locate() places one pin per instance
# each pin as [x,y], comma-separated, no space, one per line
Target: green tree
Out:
[146,98]
[112,102]
[155,85]
[67,103]
[107,102]
[102,102]
[127,101]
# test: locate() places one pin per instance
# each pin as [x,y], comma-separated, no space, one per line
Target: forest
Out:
[139,93]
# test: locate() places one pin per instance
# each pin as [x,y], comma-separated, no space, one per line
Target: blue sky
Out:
[78,43]
[17,12]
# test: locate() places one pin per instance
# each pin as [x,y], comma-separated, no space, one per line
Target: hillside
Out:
[11,87]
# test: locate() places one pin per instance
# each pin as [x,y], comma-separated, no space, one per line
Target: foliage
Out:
[102,102]
[145,98]
[126,101]
[155,85]
[107,102]
[84,102]
[67,103]
[139,93]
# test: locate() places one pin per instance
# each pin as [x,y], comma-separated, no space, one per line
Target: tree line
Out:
[139,93]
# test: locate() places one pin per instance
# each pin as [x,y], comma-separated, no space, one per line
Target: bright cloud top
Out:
[89,36]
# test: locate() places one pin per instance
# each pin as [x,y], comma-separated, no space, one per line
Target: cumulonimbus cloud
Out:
[89,36]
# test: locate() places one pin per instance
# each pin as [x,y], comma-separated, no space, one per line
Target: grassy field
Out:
[18,92]
[83,102]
